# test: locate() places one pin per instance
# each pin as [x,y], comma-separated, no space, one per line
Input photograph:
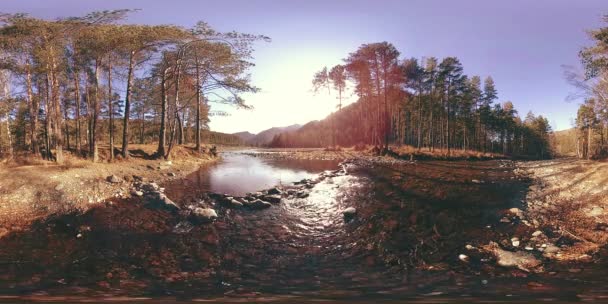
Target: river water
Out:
[412,222]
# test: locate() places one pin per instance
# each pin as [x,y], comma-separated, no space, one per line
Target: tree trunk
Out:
[589,151]
[33,110]
[160,152]
[110,108]
[96,107]
[198,106]
[57,110]
[125,130]
[77,100]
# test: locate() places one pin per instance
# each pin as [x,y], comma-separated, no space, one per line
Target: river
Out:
[412,222]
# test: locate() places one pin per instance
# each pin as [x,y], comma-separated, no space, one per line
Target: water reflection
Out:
[238,174]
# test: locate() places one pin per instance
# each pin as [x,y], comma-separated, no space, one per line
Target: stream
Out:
[411,224]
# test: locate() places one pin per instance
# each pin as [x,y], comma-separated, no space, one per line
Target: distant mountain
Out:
[264,137]
[244,136]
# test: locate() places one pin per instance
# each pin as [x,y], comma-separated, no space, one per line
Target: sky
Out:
[522,44]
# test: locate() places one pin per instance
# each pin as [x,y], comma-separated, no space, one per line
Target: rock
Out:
[521,260]
[158,200]
[59,187]
[275,198]
[550,248]
[171,174]
[137,193]
[596,211]
[463,258]
[204,214]
[113,179]
[515,242]
[537,233]
[516,211]
[150,187]
[183,227]
[349,212]
[138,178]
[275,190]
[3,232]
[469,247]
[529,248]
[302,194]
[505,220]
[259,204]
[231,202]
[476,181]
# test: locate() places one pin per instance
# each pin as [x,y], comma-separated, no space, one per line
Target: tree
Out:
[453,82]
[376,72]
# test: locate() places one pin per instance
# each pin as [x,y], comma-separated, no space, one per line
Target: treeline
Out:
[592,117]
[429,104]
[73,82]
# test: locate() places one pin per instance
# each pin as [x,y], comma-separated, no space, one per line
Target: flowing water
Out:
[412,222]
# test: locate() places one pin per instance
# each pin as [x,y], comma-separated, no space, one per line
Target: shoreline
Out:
[37,191]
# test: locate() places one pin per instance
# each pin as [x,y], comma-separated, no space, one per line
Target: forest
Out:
[427,104]
[73,83]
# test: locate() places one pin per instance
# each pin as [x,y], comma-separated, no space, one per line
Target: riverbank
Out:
[369,227]
[568,198]
[372,153]
[39,188]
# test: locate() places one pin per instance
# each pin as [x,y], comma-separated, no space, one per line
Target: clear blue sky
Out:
[522,44]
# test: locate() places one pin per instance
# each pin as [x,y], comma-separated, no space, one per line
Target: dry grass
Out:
[31,188]
[570,196]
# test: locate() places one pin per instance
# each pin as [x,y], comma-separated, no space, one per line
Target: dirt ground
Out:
[569,197]
[39,188]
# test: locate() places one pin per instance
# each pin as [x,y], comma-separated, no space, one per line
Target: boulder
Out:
[522,260]
[275,198]
[349,212]
[204,214]
[150,187]
[158,200]
[113,179]
[231,202]
[258,204]
[274,191]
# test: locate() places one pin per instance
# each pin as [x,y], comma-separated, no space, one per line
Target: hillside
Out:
[564,142]
[244,136]
[266,136]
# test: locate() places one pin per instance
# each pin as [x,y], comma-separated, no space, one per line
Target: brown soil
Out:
[31,189]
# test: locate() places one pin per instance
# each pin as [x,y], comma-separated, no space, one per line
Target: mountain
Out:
[244,136]
[266,136]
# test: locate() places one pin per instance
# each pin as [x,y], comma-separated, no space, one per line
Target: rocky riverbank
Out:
[35,191]
[372,227]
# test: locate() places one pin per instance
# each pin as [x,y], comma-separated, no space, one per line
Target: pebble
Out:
[537,233]
[464,258]
[349,212]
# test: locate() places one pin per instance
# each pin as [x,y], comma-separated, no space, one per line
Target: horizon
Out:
[299,47]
